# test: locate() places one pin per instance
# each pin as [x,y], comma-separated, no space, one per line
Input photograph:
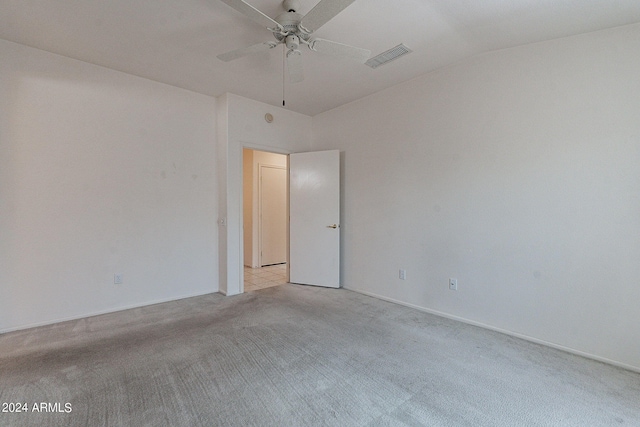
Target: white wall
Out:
[241,124]
[516,172]
[100,173]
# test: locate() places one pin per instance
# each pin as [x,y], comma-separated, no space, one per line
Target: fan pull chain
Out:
[284,54]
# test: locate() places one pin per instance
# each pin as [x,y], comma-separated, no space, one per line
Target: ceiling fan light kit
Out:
[292,29]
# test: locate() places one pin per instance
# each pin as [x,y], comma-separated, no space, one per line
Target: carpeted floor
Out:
[299,356]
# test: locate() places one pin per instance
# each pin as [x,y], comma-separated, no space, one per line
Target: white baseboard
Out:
[502,331]
[99,313]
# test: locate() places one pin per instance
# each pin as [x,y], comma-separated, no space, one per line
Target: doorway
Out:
[265,238]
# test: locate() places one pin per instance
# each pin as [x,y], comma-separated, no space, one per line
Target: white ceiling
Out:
[176,41]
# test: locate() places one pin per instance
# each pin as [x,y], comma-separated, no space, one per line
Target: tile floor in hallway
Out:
[264,277]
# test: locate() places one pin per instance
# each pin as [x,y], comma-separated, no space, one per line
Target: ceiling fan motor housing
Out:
[289,22]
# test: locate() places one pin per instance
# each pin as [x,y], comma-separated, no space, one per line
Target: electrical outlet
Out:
[402,274]
[453,284]
[117,279]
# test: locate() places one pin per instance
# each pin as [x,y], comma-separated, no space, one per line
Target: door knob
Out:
[333,226]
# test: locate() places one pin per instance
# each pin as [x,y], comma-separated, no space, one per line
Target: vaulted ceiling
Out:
[176,41]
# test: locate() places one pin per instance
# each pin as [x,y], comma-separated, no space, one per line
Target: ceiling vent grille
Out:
[388,56]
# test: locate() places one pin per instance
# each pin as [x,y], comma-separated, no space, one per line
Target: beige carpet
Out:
[299,356]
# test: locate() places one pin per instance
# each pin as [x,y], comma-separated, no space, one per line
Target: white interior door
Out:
[272,214]
[314,223]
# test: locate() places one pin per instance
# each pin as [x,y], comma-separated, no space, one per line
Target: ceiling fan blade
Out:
[294,64]
[239,53]
[322,13]
[339,49]
[253,13]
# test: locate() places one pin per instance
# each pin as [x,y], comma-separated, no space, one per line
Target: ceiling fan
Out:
[292,29]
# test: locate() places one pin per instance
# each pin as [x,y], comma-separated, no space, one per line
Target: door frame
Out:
[256,147]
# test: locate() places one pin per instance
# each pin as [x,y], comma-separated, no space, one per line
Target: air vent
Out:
[388,56]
